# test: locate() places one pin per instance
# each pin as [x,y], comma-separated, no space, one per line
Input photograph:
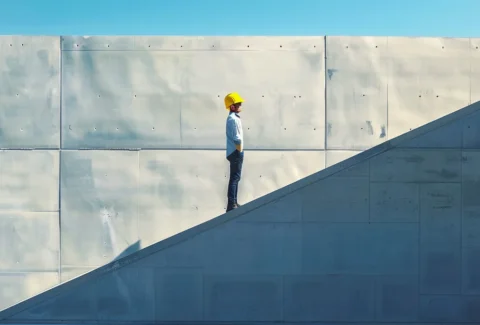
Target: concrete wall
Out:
[114,143]
[390,236]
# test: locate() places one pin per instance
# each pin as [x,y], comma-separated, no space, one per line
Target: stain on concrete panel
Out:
[334,298]
[20,286]
[178,295]
[29,92]
[29,241]
[394,202]
[325,200]
[353,248]
[441,214]
[396,298]
[242,298]
[416,165]
[99,196]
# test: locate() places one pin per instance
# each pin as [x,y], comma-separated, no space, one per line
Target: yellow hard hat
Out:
[231,99]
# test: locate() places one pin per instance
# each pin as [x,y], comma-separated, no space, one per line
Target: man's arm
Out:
[235,134]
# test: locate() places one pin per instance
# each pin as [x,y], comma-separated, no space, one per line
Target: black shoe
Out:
[231,207]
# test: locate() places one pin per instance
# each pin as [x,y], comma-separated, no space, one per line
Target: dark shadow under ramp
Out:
[390,235]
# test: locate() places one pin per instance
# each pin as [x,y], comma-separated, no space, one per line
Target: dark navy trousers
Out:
[236,163]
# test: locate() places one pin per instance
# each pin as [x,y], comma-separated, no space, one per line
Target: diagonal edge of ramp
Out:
[253,205]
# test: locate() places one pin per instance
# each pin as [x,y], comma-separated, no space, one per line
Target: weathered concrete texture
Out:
[386,236]
[380,87]
[127,200]
[29,92]
[29,241]
[311,102]
[167,92]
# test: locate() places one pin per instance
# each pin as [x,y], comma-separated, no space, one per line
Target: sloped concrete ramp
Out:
[390,235]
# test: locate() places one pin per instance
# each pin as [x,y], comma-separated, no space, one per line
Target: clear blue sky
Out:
[450,18]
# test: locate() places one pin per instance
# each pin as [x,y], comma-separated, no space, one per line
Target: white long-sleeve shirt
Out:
[234,132]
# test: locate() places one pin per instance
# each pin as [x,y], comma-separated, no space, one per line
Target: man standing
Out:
[233,103]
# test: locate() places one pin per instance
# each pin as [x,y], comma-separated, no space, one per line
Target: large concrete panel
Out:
[154,98]
[474,69]
[179,294]
[427,79]
[274,249]
[29,92]
[324,201]
[99,205]
[356,93]
[16,287]
[394,202]
[324,298]
[470,202]
[29,242]
[245,298]
[397,298]
[190,186]
[440,239]
[417,165]
[354,248]
[29,180]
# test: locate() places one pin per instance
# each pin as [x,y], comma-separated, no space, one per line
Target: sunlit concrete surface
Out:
[114,143]
[154,98]
[29,92]
[387,236]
